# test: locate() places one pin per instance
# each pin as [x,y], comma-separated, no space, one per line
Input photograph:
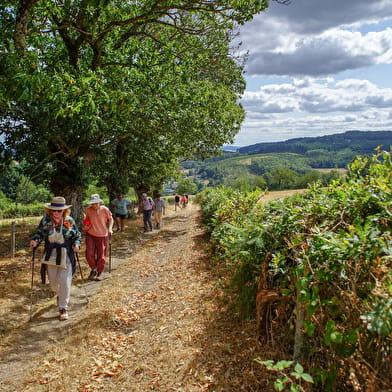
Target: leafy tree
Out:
[259,182]
[242,184]
[279,179]
[25,191]
[330,177]
[309,178]
[11,175]
[81,78]
[28,192]
[3,200]
[186,186]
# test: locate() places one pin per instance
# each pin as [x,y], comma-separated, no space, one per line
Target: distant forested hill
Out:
[287,165]
[359,142]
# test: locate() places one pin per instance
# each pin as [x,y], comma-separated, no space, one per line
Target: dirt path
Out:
[158,322]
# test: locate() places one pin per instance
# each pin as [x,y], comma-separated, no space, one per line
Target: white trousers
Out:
[60,282]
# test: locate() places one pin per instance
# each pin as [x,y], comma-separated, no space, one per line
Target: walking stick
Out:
[81,275]
[32,283]
[110,254]
[80,267]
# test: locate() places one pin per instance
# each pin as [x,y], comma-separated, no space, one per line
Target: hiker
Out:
[176,201]
[121,206]
[147,207]
[159,211]
[101,226]
[62,238]
[184,201]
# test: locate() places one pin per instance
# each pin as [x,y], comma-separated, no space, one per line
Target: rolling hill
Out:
[360,142]
[288,164]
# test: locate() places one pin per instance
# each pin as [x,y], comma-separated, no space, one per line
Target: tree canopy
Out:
[85,80]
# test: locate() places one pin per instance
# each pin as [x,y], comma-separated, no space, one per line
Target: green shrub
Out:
[329,253]
[17,210]
[29,193]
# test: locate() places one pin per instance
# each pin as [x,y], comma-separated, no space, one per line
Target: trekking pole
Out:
[32,283]
[110,254]
[81,275]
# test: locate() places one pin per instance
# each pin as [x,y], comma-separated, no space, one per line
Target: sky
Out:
[317,67]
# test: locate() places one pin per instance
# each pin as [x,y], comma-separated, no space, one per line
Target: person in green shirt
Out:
[121,207]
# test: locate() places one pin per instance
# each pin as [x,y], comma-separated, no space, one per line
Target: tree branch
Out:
[22,19]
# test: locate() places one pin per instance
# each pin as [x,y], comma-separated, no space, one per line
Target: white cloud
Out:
[317,37]
[310,17]
[325,54]
[307,49]
[318,95]
[314,107]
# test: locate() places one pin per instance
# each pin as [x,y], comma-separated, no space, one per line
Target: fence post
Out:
[13,244]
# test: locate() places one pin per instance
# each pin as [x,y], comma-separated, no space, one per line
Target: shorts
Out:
[121,216]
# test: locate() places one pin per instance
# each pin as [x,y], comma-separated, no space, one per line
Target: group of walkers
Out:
[62,239]
[152,208]
[180,201]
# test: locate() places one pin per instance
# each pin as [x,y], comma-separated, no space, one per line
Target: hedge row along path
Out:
[161,321]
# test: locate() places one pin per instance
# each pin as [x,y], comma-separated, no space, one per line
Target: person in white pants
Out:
[60,280]
[62,239]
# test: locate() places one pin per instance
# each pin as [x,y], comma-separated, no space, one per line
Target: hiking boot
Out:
[92,275]
[63,314]
[99,276]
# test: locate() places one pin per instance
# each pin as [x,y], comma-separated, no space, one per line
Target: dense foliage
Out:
[17,210]
[117,90]
[317,269]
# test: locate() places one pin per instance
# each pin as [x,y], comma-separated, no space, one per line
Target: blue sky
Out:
[317,67]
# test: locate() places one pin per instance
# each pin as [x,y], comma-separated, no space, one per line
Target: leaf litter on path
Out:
[159,322]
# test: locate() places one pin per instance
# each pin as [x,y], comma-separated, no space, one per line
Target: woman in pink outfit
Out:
[97,234]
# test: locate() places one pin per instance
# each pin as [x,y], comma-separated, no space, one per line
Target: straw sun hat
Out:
[58,204]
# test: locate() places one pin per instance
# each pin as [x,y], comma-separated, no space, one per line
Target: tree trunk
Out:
[74,196]
[22,20]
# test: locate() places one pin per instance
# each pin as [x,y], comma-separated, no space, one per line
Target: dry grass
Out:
[273,195]
[341,171]
[34,220]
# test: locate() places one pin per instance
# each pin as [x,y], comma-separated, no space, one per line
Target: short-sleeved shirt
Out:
[147,204]
[99,219]
[159,205]
[120,206]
